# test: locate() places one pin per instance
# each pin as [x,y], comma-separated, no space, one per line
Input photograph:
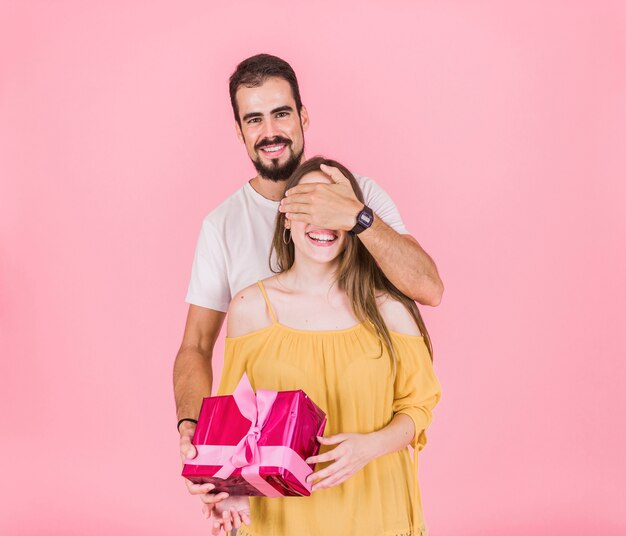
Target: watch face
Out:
[365,219]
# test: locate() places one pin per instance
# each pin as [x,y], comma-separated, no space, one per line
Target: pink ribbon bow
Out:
[256,409]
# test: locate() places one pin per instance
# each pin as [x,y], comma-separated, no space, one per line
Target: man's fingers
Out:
[301,189]
[210,498]
[333,173]
[187,450]
[296,216]
[296,198]
[199,489]
[301,208]
[190,453]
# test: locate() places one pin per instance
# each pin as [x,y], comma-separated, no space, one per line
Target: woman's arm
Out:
[397,435]
[355,451]
[416,393]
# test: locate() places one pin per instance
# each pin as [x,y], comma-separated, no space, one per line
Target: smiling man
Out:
[234,243]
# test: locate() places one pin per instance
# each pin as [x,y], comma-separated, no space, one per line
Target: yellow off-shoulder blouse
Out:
[347,376]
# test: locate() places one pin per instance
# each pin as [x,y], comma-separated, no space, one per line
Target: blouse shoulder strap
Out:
[267,302]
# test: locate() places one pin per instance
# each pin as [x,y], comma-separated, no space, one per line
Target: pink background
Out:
[498,127]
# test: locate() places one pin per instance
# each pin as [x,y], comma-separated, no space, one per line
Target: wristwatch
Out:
[364,220]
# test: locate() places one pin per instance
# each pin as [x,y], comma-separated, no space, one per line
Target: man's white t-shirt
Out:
[234,245]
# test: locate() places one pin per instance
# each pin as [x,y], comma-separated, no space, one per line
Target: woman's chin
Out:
[325,256]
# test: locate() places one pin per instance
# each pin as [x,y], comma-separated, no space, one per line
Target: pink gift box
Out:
[256,444]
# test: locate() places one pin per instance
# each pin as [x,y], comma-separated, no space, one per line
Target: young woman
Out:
[331,324]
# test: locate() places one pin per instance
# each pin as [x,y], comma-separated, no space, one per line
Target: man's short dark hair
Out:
[254,71]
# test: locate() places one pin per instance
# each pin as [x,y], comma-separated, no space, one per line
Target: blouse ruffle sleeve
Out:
[416,388]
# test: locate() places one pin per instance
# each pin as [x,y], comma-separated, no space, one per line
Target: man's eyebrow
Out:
[251,115]
[285,108]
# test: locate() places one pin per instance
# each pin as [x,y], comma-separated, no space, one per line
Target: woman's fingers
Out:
[228,526]
[332,440]
[235,517]
[333,480]
[327,471]
[227,520]
[333,454]
[206,511]
[326,457]
[216,527]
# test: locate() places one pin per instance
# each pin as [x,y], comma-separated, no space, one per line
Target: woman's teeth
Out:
[322,237]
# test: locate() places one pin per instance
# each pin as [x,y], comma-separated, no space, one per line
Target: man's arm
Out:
[193,376]
[404,262]
[401,258]
[193,379]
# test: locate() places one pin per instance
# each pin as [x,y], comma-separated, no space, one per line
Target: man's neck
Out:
[273,190]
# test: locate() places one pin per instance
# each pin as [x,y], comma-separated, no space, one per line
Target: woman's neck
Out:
[310,277]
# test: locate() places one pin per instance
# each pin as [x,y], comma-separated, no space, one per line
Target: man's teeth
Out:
[273,149]
[322,237]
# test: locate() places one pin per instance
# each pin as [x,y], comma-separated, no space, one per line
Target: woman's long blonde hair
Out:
[357,274]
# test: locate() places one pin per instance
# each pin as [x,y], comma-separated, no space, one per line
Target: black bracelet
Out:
[183,420]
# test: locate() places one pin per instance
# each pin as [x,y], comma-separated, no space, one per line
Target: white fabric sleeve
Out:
[209,286]
[379,201]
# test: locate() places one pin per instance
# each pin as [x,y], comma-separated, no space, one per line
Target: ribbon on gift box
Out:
[256,409]
[247,455]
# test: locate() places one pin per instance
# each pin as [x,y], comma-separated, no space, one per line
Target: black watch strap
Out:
[364,220]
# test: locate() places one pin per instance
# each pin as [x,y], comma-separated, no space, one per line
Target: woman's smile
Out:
[322,237]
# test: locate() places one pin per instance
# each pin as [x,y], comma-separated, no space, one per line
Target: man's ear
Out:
[304,118]
[239,133]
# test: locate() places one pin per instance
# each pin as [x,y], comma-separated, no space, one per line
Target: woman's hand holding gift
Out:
[228,514]
[353,452]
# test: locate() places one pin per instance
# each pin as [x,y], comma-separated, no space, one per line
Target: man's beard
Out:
[277,172]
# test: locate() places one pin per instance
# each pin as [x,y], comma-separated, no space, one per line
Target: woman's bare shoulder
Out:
[247,312]
[396,315]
